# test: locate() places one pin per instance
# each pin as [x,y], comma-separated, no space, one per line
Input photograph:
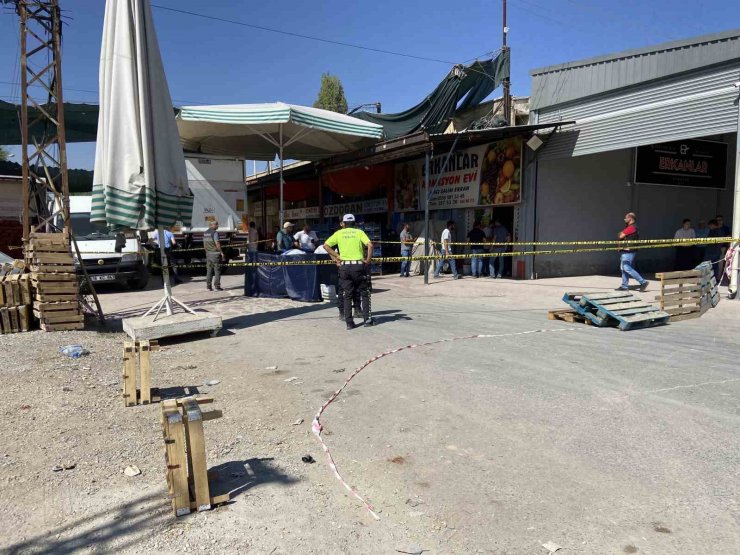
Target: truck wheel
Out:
[139,282]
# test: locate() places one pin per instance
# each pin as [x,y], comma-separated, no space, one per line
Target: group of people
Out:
[689,256]
[288,240]
[492,238]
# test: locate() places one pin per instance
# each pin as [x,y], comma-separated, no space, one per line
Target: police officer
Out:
[340,293]
[353,266]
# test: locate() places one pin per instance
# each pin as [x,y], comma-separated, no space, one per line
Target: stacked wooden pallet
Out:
[620,309]
[688,294]
[15,302]
[55,285]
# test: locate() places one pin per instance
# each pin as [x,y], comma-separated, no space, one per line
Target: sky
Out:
[214,62]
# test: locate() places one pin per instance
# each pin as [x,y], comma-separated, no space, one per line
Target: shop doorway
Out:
[505,215]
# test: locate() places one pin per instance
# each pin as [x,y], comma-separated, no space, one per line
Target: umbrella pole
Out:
[165,273]
[167,301]
[282,208]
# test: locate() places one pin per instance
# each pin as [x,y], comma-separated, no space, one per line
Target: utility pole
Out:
[507,81]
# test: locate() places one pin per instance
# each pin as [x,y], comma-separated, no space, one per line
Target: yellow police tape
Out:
[379,260]
[699,241]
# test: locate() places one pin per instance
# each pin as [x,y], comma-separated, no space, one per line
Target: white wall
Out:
[585,198]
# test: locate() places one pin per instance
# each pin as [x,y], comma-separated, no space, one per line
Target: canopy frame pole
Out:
[299,135]
[735,268]
[282,205]
[426,218]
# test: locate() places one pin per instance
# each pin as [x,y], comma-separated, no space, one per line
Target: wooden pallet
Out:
[138,354]
[620,309]
[185,454]
[570,316]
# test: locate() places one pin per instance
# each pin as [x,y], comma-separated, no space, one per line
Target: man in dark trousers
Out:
[627,254]
[353,266]
[477,236]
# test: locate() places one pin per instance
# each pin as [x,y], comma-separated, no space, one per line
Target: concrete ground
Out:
[598,440]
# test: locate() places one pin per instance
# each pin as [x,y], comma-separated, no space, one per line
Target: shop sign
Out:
[302,213]
[375,206]
[483,175]
[689,163]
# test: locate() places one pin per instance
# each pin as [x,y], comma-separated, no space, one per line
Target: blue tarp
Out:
[299,282]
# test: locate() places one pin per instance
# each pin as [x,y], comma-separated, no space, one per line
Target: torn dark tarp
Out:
[464,87]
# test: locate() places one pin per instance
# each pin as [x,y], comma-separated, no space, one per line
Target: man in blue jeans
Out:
[446,251]
[477,237]
[627,255]
[407,243]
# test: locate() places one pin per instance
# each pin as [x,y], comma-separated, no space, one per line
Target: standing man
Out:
[714,251]
[284,240]
[407,242]
[723,231]
[627,255]
[214,256]
[684,253]
[169,244]
[307,240]
[253,239]
[501,236]
[478,237]
[353,266]
[446,251]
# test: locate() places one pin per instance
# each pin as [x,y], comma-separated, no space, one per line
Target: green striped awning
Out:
[278,112]
[147,209]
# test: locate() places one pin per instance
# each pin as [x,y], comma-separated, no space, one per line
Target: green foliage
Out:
[331,95]
[4,154]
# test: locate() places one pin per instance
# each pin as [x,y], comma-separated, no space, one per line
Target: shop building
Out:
[655,133]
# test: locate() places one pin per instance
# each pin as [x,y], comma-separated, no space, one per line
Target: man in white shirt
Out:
[446,250]
[685,253]
[307,239]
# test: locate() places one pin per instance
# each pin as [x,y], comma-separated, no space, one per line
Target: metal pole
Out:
[24,124]
[426,217]
[507,82]
[165,273]
[736,207]
[282,208]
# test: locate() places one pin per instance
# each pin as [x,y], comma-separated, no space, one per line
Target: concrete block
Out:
[183,323]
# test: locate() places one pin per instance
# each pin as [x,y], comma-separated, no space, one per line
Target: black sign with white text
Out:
[689,163]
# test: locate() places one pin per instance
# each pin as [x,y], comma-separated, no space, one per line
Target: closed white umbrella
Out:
[263,131]
[140,181]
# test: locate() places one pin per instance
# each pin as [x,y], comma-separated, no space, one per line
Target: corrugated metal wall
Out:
[692,106]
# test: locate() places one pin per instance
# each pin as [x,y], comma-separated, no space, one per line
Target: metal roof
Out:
[562,83]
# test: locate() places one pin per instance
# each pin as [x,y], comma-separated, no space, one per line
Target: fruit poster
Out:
[501,173]
[480,176]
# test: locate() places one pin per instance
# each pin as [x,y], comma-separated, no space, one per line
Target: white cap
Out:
[348,218]
[286,225]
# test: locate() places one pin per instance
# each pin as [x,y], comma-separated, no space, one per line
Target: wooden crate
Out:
[185,454]
[14,319]
[55,282]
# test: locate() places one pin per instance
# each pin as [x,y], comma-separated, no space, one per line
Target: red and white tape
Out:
[316,424]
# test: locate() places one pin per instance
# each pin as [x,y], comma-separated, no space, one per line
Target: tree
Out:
[331,94]
[4,154]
